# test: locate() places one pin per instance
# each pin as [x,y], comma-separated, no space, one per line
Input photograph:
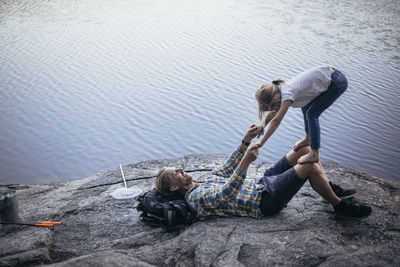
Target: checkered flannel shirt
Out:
[224,191]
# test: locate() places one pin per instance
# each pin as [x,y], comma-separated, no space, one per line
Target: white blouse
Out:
[306,86]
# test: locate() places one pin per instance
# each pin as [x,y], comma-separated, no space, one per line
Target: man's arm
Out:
[213,197]
[227,169]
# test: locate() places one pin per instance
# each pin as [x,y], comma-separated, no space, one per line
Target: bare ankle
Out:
[314,152]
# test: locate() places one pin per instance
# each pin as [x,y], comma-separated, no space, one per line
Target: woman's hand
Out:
[260,131]
[252,132]
[270,115]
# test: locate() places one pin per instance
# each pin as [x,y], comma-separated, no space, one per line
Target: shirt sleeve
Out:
[287,92]
[227,169]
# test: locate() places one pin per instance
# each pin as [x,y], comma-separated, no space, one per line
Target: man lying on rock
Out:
[226,191]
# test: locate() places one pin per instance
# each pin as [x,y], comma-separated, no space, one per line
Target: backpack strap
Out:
[169,215]
[150,220]
[180,210]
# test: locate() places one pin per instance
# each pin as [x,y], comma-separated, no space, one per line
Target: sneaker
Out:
[340,192]
[347,209]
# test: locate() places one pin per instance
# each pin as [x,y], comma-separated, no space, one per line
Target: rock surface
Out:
[102,231]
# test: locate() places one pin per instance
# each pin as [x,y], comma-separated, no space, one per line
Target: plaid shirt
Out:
[224,191]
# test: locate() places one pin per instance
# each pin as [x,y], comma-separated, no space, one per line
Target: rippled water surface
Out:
[86,85]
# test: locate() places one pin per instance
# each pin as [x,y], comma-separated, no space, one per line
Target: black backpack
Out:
[168,212]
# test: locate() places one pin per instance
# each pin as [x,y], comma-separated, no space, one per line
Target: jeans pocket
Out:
[340,82]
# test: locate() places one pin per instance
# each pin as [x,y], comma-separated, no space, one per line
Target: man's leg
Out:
[318,181]
[286,162]
[293,156]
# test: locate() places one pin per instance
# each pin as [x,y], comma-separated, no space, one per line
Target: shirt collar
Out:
[191,190]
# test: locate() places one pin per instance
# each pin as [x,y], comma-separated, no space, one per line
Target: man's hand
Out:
[251,153]
[252,132]
[250,156]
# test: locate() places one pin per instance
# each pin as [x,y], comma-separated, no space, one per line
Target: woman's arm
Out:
[267,119]
[275,121]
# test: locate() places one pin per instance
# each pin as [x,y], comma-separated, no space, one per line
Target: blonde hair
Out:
[163,182]
[264,96]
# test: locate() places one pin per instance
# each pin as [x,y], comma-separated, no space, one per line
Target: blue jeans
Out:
[313,110]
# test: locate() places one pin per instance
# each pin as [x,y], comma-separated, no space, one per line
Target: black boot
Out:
[347,209]
[340,192]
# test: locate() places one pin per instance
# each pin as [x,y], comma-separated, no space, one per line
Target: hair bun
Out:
[278,81]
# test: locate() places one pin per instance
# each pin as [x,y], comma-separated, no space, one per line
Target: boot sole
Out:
[346,217]
[345,197]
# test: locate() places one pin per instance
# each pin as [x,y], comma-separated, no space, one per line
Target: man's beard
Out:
[188,180]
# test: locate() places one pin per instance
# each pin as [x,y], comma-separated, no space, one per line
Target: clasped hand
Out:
[252,151]
[251,133]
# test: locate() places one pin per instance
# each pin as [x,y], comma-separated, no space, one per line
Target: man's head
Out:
[171,180]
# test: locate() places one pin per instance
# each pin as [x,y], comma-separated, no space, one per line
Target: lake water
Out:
[86,85]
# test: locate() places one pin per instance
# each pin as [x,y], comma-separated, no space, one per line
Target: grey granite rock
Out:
[98,230]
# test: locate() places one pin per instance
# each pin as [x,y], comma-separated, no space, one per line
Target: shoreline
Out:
[100,230]
[218,155]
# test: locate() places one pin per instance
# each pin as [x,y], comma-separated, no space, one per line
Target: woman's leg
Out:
[306,140]
[314,109]
[304,111]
